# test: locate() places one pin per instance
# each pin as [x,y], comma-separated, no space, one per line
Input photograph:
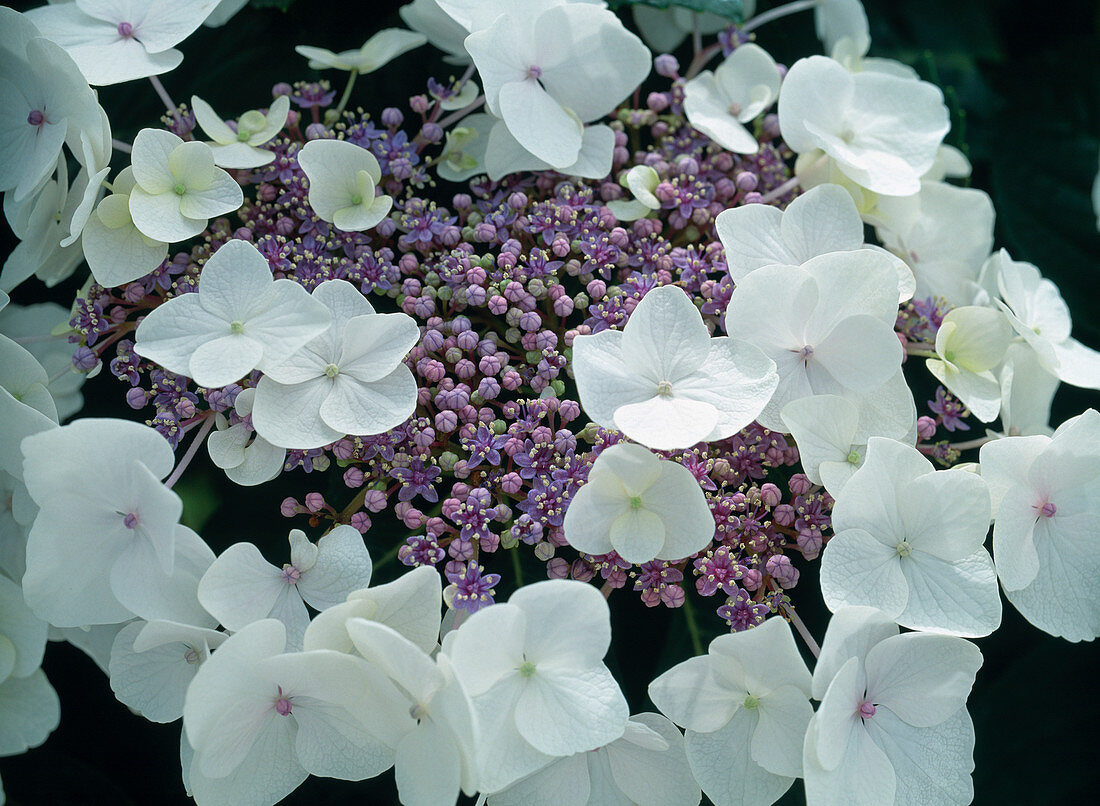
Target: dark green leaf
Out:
[282,5]
[730,9]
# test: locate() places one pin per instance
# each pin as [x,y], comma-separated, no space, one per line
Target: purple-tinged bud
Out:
[281,89]
[291,575]
[800,484]
[282,706]
[489,388]
[289,508]
[374,500]
[666,65]
[866,710]
[134,293]
[465,369]
[413,518]
[316,131]
[1046,510]
[285,226]
[418,104]
[560,246]
[926,427]
[242,234]
[360,521]
[36,118]
[530,321]
[751,579]
[753,198]
[392,117]
[462,201]
[497,305]
[511,483]
[353,477]
[343,449]
[85,359]
[771,126]
[511,380]
[557,568]
[315,502]
[432,132]
[784,515]
[517,200]
[596,289]
[770,495]
[446,421]
[747,181]
[569,410]
[137,398]
[809,543]
[780,569]
[657,101]
[544,550]
[184,409]
[125,30]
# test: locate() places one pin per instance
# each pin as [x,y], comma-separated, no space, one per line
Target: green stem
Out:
[693,628]
[339,110]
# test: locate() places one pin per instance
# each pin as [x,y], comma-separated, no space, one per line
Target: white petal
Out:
[343,565]
[561,712]
[857,569]
[31,712]
[568,623]
[428,767]
[722,764]
[692,696]
[851,633]
[958,598]
[777,741]
[539,123]
[489,646]
[707,109]
[240,587]
[354,407]
[289,416]
[932,765]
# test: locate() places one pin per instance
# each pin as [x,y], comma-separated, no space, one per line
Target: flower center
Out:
[534,71]
[180,189]
[752,703]
[356,199]
[236,327]
[125,30]
[806,353]
[527,669]
[243,135]
[1046,510]
[418,711]
[903,549]
[734,109]
[635,502]
[282,706]
[192,655]
[130,521]
[331,370]
[291,575]
[866,710]
[853,457]
[36,118]
[664,389]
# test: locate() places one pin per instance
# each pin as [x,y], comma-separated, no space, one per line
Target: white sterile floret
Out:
[239,148]
[745,706]
[1045,495]
[442,32]
[504,154]
[153,662]
[247,458]
[1027,391]
[242,587]
[37,326]
[641,181]
[720,103]
[892,726]
[436,758]
[29,712]
[824,427]
[410,605]
[944,233]
[883,131]
[28,405]
[376,52]
[106,544]
[351,379]
[534,668]
[240,319]
[834,333]
[261,720]
[342,181]
[1037,312]
[640,507]
[465,148]
[664,382]
[923,566]
[547,71]
[821,220]
[646,766]
[115,249]
[972,341]
[113,42]
[839,20]
[44,103]
[178,186]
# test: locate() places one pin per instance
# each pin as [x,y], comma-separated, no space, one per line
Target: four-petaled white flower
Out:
[349,380]
[745,706]
[640,507]
[824,219]
[427,18]
[547,71]
[882,131]
[178,187]
[835,332]
[240,319]
[242,587]
[892,726]
[114,41]
[342,180]
[908,541]
[261,720]
[116,250]
[720,103]
[239,148]
[972,341]
[1045,492]
[824,428]
[641,181]
[534,667]
[376,52]
[664,382]
[247,458]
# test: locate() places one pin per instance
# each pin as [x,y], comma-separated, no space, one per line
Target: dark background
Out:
[1024,85]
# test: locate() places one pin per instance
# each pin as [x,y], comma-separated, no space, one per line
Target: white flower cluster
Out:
[515,701]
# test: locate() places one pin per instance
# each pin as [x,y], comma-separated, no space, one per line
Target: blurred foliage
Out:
[730,9]
[1024,91]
